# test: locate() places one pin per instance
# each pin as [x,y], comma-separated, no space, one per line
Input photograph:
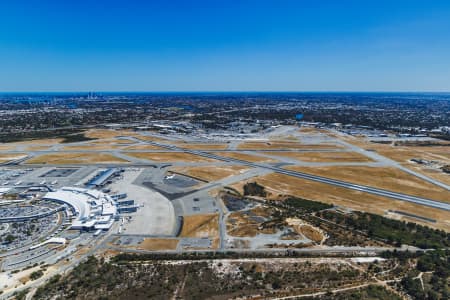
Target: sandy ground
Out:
[170,156]
[386,178]
[75,158]
[199,226]
[154,244]
[324,156]
[210,173]
[246,157]
[278,184]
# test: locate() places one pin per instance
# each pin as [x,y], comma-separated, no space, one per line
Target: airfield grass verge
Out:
[169,156]
[210,173]
[155,244]
[206,225]
[246,157]
[75,158]
[388,178]
[278,186]
[324,156]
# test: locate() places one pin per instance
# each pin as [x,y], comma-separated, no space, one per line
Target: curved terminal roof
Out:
[89,205]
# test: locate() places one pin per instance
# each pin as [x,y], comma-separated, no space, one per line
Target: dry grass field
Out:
[142,147]
[75,158]
[202,146]
[8,146]
[93,147]
[108,133]
[386,178]
[404,154]
[7,157]
[169,156]
[324,156]
[283,145]
[210,173]
[38,148]
[244,224]
[434,173]
[278,185]
[199,226]
[246,157]
[154,244]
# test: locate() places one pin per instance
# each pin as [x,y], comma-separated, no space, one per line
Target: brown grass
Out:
[386,178]
[169,156]
[75,158]
[246,157]
[154,244]
[199,226]
[108,133]
[240,224]
[278,184]
[210,173]
[142,147]
[404,154]
[37,148]
[324,156]
[41,141]
[202,146]
[99,147]
[11,156]
[434,173]
[280,145]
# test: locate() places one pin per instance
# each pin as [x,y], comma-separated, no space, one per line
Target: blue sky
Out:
[244,45]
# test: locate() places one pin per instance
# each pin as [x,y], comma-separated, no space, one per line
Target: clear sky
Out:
[226,45]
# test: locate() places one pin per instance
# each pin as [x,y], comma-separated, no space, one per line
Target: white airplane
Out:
[170,176]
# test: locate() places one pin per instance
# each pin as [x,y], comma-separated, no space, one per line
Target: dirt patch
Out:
[246,157]
[324,156]
[307,230]
[210,173]
[158,244]
[169,156]
[201,226]
[75,158]
[385,178]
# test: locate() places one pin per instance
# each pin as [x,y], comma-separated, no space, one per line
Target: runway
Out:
[344,184]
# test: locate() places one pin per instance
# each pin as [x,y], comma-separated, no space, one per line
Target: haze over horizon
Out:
[215,46]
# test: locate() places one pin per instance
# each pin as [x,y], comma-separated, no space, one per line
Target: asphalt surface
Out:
[340,183]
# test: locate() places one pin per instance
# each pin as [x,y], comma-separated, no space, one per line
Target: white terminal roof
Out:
[91,206]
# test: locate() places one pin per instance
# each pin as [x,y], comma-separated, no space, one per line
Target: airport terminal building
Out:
[88,209]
